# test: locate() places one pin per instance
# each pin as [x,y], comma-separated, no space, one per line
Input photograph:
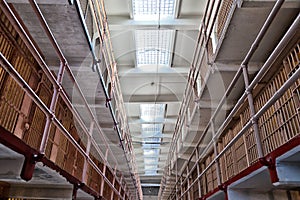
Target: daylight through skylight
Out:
[152,112]
[153,9]
[153,47]
[151,133]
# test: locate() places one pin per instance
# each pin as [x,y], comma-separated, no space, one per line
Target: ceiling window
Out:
[151,152]
[150,172]
[151,130]
[151,133]
[151,143]
[152,112]
[153,9]
[153,47]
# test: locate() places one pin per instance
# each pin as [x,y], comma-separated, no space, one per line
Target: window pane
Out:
[153,47]
[153,9]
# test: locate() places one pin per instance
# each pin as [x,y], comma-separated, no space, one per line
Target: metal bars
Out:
[57,90]
[268,63]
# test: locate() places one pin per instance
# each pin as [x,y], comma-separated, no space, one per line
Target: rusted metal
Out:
[74,193]
[17,145]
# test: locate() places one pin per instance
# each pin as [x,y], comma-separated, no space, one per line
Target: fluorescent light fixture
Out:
[153,47]
[153,9]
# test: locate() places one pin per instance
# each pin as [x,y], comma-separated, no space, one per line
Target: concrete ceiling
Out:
[153,83]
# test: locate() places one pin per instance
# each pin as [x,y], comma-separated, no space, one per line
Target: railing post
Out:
[87,151]
[54,99]
[252,111]
[188,182]
[218,171]
[103,171]
[176,170]
[74,194]
[120,186]
[198,172]
[113,183]
[125,191]
[181,187]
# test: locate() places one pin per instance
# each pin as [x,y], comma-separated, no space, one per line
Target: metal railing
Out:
[96,9]
[208,24]
[58,92]
[210,126]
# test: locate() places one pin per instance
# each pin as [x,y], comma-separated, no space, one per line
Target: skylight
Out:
[151,130]
[151,160]
[151,143]
[152,112]
[151,133]
[153,47]
[151,152]
[150,172]
[153,9]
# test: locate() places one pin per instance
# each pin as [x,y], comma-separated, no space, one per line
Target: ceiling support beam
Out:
[162,98]
[118,23]
[233,67]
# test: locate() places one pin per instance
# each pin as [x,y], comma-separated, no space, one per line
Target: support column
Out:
[120,186]
[54,99]
[188,183]
[181,187]
[218,171]
[176,170]
[103,171]
[125,191]
[74,194]
[252,111]
[198,172]
[87,151]
[113,183]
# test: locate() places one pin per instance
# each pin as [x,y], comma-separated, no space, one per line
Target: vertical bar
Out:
[188,182]
[198,172]
[125,191]
[88,148]
[120,187]
[74,194]
[245,142]
[104,171]
[176,170]
[252,111]
[54,99]
[102,181]
[113,183]
[181,187]
[218,171]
